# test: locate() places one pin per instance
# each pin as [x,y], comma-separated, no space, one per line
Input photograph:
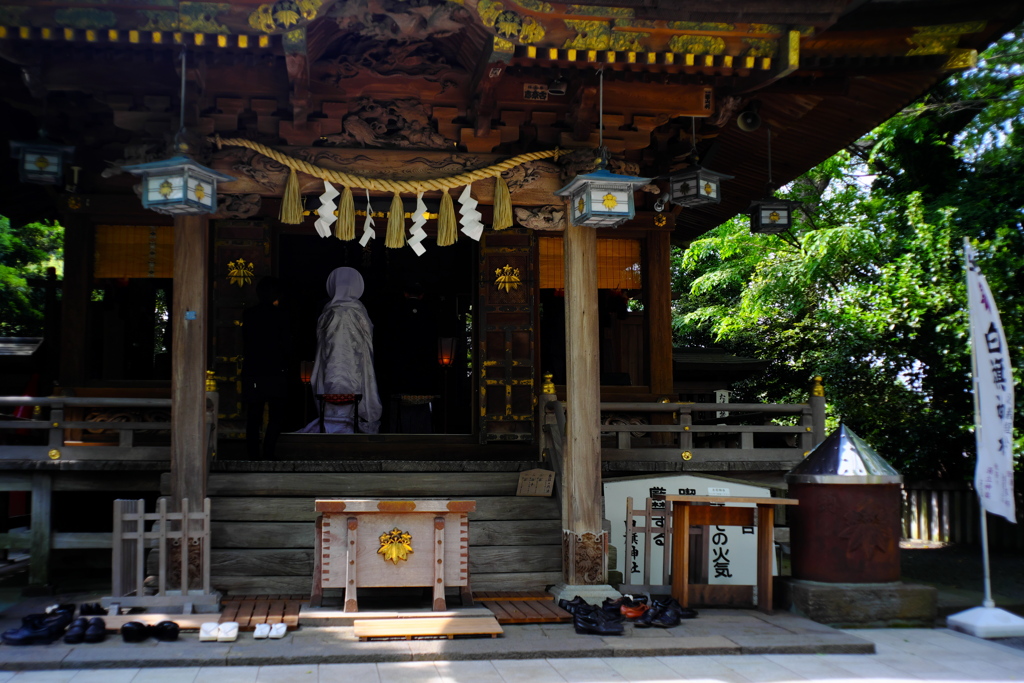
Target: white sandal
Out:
[262,631]
[228,632]
[278,630]
[209,631]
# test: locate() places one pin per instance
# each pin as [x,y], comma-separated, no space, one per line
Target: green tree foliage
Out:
[867,289]
[26,252]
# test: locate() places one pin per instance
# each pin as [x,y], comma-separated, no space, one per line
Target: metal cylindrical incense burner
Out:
[847,526]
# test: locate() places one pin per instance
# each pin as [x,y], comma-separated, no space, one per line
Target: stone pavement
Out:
[714,632]
[910,655]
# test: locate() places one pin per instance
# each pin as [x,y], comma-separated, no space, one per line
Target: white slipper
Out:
[262,631]
[278,630]
[228,632]
[209,631]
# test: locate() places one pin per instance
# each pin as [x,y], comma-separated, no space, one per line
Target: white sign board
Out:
[732,551]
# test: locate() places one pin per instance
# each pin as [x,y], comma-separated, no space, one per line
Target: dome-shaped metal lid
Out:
[844,458]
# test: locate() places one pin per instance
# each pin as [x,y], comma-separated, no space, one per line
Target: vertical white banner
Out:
[993,395]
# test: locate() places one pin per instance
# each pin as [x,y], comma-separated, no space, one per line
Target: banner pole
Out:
[988,601]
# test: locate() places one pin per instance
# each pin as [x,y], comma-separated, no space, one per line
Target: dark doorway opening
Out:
[414,303]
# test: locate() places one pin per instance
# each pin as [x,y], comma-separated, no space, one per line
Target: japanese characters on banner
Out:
[993,395]
[732,550]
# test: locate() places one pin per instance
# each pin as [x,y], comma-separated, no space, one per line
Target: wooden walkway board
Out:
[512,595]
[426,628]
[525,607]
[250,610]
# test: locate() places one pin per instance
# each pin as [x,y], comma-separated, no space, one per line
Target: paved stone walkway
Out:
[910,655]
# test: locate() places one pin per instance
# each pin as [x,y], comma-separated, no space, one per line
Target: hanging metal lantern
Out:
[41,161]
[178,185]
[696,187]
[771,216]
[602,199]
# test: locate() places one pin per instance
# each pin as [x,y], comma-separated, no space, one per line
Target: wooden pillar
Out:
[188,360]
[39,544]
[77,290]
[658,307]
[583,539]
[657,276]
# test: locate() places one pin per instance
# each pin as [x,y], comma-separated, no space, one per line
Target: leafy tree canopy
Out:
[26,251]
[867,290]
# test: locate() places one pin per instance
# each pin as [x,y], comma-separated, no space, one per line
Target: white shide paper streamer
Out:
[472,226]
[368,233]
[416,232]
[325,214]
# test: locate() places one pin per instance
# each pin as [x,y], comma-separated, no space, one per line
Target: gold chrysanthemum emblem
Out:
[609,201]
[395,545]
[774,217]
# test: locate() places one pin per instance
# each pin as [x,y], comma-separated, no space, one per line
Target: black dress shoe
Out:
[96,631]
[571,606]
[657,607]
[134,632]
[599,623]
[40,629]
[88,609]
[76,631]
[166,631]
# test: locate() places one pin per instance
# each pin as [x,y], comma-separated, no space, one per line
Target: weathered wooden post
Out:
[584,542]
[188,360]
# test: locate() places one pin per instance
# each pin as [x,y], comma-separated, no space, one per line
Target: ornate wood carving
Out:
[238,206]
[583,558]
[550,217]
[404,123]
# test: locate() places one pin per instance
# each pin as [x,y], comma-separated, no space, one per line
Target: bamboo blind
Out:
[618,263]
[134,251]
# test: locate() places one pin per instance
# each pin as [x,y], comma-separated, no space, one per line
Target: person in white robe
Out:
[344,357]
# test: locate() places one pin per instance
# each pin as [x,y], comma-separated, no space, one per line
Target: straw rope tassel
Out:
[395,236]
[447,226]
[346,227]
[291,201]
[502,204]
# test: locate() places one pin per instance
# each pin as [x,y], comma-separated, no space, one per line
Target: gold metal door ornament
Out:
[240,273]
[507,278]
[395,545]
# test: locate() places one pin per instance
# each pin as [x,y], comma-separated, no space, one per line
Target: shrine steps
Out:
[263,521]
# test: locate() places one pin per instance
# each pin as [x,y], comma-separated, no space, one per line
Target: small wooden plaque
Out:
[536,483]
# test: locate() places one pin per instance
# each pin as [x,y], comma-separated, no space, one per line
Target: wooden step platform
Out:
[249,610]
[523,607]
[185,622]
[407,629]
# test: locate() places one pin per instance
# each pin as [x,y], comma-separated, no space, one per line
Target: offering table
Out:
[392,543]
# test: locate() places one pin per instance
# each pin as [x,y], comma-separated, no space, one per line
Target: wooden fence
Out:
[947,512]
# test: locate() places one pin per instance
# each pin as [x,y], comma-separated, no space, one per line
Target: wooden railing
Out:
[691,433]
[66,433]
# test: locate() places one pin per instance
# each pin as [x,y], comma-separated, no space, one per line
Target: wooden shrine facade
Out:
[412,94]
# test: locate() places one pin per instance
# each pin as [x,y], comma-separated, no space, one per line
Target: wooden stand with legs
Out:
[353,537]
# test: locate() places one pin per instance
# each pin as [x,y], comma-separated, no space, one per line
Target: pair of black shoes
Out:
[665,613]
[591,619]
[92,609]
[136,631]
[595,621]
[40,629]
[83,630]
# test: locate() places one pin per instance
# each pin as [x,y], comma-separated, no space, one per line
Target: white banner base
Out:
[987,622]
